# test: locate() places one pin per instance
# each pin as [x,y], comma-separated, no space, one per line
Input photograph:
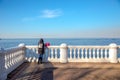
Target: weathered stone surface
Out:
[69,71]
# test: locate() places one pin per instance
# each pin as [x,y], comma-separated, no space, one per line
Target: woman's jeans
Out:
[40,58]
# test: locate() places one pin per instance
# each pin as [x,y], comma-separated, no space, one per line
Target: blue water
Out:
[7,43]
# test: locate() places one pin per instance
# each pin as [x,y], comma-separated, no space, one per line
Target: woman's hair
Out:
[41,41]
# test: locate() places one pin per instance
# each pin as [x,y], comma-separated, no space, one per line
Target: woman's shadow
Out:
[45,70]
[36,72]
[42,71]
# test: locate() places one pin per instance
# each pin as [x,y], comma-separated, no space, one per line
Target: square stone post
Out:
[63,53]
[22,45]
[3,74]
[113,53]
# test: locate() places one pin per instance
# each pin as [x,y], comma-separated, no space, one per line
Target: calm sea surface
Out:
[7,43]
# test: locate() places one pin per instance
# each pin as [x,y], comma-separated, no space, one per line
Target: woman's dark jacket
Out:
[41,48]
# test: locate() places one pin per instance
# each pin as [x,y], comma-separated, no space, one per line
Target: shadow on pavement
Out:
[34,71]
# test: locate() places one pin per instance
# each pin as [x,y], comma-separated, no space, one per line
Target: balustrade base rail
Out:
[88,60]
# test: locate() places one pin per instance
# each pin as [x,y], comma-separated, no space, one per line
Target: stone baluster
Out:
[13,58]
[36,51]
[10,54]
[86,52]
[70,53]
[82,53]
[78,54]
[98,56]
[74,53]
[33,56]
[52,53]
[56,56]
[106,53]
[101,53]
[48,53]
[90,56]
[7,61]
[13,55]
[93,53]
[10,59]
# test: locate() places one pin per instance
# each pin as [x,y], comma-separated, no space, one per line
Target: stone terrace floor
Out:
[68,71]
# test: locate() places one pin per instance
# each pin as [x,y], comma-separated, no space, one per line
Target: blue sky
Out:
[60,18]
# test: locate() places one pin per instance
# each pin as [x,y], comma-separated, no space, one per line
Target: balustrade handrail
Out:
[89,46]
[70,46]
[14,49]
[35,46]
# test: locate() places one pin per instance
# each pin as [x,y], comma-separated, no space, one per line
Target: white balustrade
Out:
[10,59]
[31,54]
[89,54]
[51,54]
[76,53]
[13,58]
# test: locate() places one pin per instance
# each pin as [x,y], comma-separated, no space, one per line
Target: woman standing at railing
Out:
[41,50]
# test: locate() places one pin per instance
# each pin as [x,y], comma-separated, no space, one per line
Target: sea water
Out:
[7,43]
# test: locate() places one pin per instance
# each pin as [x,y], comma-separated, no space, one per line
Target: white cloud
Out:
[45,14]
[51,13]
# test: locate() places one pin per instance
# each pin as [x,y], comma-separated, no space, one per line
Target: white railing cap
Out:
[21,45]
[113,45]
[63,45]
